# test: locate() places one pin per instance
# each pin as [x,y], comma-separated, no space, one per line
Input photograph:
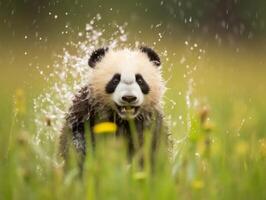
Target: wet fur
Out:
[83,111]
[93,99]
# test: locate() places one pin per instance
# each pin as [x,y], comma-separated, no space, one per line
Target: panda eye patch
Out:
[139,80]
[116,79]
[112,84]
[142,84]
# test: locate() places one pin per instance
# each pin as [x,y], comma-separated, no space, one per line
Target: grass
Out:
[220,153]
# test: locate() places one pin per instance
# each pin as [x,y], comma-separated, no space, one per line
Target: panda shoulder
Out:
[81,106]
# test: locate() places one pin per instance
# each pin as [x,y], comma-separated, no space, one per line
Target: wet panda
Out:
[125,84]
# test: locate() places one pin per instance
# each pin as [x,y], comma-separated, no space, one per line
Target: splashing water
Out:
[69,73]
[190,60]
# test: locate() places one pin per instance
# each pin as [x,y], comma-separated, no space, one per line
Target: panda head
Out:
[127,80]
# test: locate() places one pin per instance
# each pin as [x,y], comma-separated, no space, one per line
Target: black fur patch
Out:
[96,56]
[112,84]
[142,83]
[153,56]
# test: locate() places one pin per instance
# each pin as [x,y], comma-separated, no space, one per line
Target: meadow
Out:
[217,118]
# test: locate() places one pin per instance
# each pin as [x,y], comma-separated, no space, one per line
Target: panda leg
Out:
[140,130]
[156,137]
[79,142]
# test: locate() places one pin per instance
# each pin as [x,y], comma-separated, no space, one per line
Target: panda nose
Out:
[129,98]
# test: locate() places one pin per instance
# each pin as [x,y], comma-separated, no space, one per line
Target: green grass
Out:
[221,155]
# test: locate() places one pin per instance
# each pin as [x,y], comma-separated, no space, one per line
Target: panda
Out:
[124,85]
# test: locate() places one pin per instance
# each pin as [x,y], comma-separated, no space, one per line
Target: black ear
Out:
[153,56]
[96,56]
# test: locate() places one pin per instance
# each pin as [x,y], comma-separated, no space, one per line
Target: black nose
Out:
[129,98]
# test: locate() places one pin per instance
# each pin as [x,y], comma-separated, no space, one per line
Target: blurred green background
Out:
[232,32]
[224,40]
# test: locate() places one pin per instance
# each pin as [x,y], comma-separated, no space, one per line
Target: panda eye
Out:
[112,84]
[142,83]
[139,80]
[116,79]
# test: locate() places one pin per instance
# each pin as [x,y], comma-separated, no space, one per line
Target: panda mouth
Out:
[127,111]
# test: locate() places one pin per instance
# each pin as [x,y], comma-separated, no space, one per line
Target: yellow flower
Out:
[241,148]
[208,126]
[105,127]
[197,184]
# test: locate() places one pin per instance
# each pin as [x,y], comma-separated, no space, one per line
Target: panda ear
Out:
[152,55]
[96,56]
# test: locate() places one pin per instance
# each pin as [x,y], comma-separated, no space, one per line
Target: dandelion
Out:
[208,126]
[241,148]
[197,184]
[105,127]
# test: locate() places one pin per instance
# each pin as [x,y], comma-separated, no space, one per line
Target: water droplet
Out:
[183,60]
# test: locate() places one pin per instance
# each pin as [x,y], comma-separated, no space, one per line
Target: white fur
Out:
[128,89]
[128,63]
